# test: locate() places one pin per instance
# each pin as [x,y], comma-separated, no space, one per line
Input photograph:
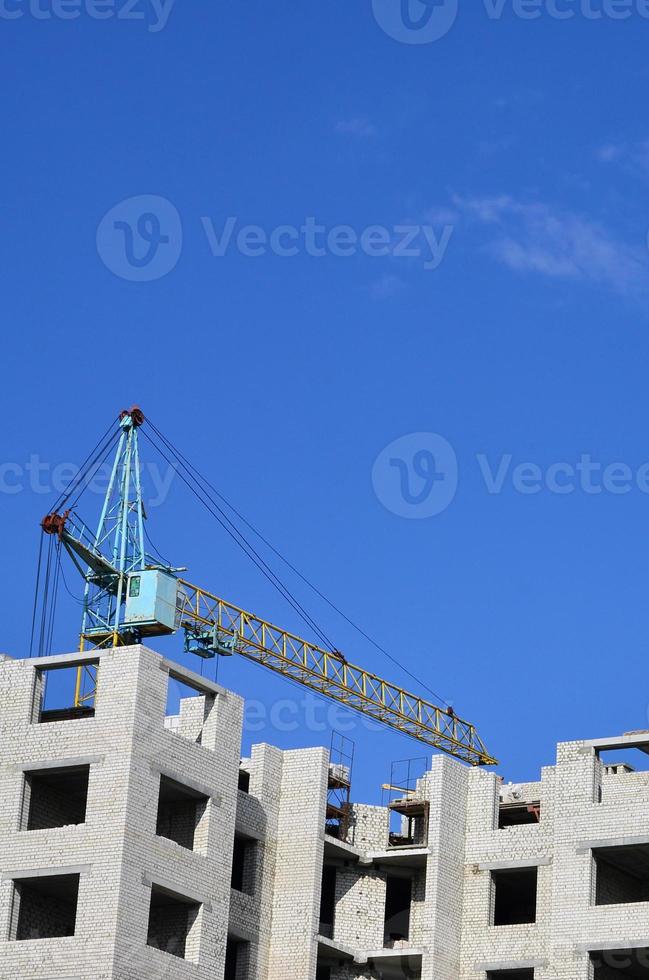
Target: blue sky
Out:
[513,156]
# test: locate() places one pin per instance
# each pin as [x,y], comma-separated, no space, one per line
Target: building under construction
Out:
[140,846]
[136,844]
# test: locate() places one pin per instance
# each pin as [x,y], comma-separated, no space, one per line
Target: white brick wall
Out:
[117,848]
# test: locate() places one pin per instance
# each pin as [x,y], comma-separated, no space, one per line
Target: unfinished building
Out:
[135,845]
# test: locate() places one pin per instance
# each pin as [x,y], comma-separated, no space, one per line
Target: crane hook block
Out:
[209,643]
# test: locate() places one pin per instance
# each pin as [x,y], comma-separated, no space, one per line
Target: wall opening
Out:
[398,902]
[45,907]
[328,901]
[621,874]
[623,770]
[173,923]
[514,899]
[182,814]
[237,955]
[518,814]
[244,863]
[409,823]
[408,808]
[616,964]
[65,693]
[188,710]
[55,797]
[510,975]
[244,781]
[624,761]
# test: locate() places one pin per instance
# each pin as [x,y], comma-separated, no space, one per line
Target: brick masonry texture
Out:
[273,918]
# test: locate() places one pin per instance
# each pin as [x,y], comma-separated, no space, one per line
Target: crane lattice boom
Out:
[330,674]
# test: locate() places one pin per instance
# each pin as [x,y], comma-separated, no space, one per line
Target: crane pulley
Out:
[130,596]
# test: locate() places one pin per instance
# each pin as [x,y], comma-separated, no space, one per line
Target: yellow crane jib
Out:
[330,674]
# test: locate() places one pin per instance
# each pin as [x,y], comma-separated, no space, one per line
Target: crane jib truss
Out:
[333,676]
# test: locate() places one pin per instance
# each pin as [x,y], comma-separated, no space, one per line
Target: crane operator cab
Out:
[153,602]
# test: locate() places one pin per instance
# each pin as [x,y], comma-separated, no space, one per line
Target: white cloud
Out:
[361,128]
[557,243]
[633,157]
[609,153]
[441,215]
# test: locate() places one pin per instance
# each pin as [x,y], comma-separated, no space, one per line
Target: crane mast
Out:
[129,596]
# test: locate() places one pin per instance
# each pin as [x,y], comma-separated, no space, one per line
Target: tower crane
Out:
[130,596]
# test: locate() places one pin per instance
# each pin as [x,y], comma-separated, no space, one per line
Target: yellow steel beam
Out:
[330,674]
[86,693]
